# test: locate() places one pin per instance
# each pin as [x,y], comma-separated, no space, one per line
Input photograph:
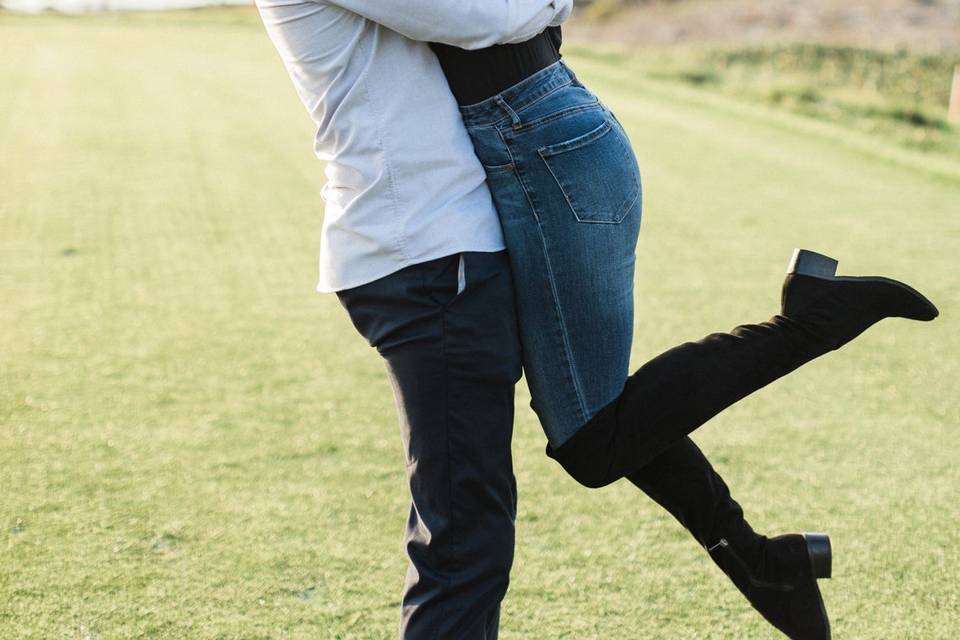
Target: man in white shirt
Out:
[412,245]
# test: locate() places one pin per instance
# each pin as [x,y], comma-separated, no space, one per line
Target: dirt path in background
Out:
[918,25]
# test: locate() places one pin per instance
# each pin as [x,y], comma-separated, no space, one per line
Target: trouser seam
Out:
[446,434]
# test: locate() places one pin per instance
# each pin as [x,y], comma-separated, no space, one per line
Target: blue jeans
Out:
[567,188]
[447,330]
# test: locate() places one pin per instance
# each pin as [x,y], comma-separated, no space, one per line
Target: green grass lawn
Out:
[194,444]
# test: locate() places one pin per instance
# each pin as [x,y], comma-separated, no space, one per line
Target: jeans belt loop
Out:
[514,118]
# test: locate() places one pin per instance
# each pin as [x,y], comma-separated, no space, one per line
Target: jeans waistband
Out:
[505,104]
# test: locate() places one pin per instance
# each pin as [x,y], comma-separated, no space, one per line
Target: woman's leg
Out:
[772,573]
[573,271]
[567,189]
[566,186]
[681,389]
[573,267]
[684,483]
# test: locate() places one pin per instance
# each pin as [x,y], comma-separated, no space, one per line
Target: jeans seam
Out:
[551,280]
[571,363]
[544,96]
[556,115]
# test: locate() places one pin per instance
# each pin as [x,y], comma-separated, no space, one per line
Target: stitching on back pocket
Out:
[600,187]
[575,143]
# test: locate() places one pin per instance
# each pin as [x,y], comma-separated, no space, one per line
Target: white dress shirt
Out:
[403,183]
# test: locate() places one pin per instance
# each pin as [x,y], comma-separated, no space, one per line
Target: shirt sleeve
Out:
[468,24]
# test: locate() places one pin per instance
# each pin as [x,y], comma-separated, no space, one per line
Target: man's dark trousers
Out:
[447,329]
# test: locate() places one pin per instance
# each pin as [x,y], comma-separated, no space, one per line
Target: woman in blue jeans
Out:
[567,188]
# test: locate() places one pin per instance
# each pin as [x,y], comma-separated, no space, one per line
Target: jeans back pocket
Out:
[597,173]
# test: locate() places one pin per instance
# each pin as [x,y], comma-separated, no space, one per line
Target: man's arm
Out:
[468,24]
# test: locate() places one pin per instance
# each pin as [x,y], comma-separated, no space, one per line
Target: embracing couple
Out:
[482,213]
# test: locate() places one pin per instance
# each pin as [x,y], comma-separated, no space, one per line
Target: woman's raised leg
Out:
[775,574]
[681,389]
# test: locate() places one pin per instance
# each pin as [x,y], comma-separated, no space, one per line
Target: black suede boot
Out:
[685,484]
[775,574]
[780,580]
[679,390]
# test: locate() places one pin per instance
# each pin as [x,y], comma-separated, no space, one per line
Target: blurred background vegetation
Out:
[884,67]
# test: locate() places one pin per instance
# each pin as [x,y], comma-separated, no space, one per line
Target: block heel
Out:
[855,302]
[820,553]
[810,263]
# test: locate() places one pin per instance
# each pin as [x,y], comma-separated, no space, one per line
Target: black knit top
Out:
[477,75]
